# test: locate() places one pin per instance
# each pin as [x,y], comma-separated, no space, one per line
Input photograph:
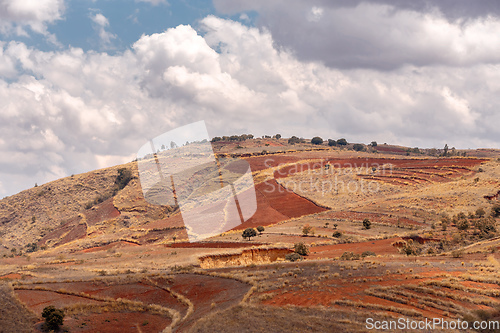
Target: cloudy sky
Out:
[84,84]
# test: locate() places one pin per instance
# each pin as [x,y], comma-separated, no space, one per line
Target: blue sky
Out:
[84,84]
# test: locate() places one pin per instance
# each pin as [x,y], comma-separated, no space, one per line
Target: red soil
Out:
[36,300]
[275,204]
[102,212]
[383,246]
[203,291]
[11,276]
[221,245]
[355,163]
[113,322]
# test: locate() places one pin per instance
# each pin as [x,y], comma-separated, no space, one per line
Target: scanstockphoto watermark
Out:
[329,178]
[430,324]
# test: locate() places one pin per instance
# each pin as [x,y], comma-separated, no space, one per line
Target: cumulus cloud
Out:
[16,15]
[100,25]
[380,34]
[70,111]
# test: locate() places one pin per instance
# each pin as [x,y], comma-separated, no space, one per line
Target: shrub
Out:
[337,234]
[368,254]
[374,144]
[278,136]
[367,224]
[294,140]
[342,142]
[260,229]
[350,256]
[306,229]
[249,233]
[358,147]
[495,211]
[293,257]
[332,143]
[480,213]
[317,140]
[301,248]
[53,317]
[463,224]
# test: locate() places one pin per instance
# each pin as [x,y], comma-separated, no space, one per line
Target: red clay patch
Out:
[213,245]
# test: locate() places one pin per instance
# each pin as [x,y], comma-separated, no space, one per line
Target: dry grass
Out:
[14,316]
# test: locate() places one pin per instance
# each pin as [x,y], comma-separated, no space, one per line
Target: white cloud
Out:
[15,15]
[70,111]
[101,23]
[375,34]
[154,2]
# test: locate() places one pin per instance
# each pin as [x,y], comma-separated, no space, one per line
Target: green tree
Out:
[342,142]
[53,317]
[332,143]
[249,233]
[306,229]
[301,249]
[317,140]
[367,224]
[278,136]
[260,229]
[374,144]
[358,147]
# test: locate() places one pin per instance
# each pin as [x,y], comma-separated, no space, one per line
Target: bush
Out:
[350,256]
[368,254]
[342,142]
[293,257]
[374,144]
[53,317]
[301,248]
[307,229]
[260,229]
[495,211]
[317,140]
[358,147]
[332,143]
[337,234]
[367,224]
[249,233]
[480,213]
[294,140]
[463,224]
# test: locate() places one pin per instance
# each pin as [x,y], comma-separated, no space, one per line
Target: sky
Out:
[84,84]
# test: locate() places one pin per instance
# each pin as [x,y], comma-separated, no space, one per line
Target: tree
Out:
[445,150]
[462,224]
[367,224]
[332,143]
[260,229]
[495,211]
[358,147]
[317,140]
[217,138]
[249,233]
[374,144]
[342,142]
[53,317]
[301,249]
[173,145]
[306,229]
[278,136]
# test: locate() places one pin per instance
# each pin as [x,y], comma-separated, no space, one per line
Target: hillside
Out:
[92,245]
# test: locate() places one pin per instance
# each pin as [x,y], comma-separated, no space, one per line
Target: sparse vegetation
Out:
[249,233]
[53,317]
